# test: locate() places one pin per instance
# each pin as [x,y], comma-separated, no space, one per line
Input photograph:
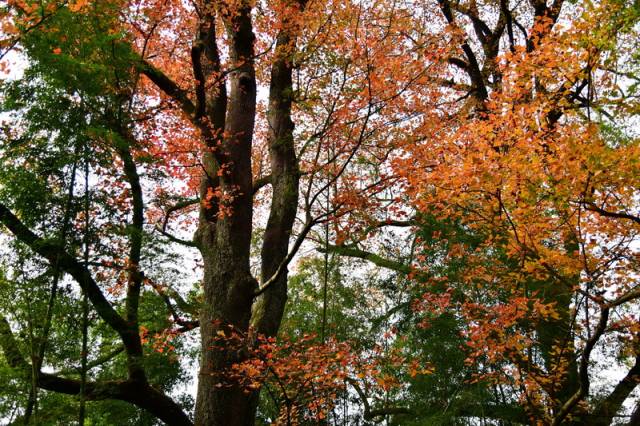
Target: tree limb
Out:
[371,414]
[261,182]
[52,252]
[67,263]
[175,239]
[371,257]
[607,409]
[178,206]
[168,86]
[138,393]
[585,358]
[619,215]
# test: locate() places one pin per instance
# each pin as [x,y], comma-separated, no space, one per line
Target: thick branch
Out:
[176,207]
[261,182]
[141,395]
[634,420]
[137,393]
[168,86]
[583,391]
[175,239]
[167,293]
[284,179]
[507,413]
[473,67]
[371,414]
[368,256]
[481,28]
[607,409]
[282,267]
[134,349]
[618,215]
[634,294]
[67,263]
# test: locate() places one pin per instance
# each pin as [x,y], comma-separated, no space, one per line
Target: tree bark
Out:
[605,411]
[225,231]
[224,238]
[269,307]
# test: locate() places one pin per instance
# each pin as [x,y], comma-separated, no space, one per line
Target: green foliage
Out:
[61,113]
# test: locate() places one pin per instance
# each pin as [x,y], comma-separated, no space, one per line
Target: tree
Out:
[532,170]
[515,165]
[463,111]
[125,64]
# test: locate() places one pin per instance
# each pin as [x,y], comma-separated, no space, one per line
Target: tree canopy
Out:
[241,212]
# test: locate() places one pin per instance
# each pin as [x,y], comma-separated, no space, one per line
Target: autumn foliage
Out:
[177,160]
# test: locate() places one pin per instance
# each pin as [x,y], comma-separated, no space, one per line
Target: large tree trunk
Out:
[225,229]
[224,238]
[556,336]
[556,344]
[228,292]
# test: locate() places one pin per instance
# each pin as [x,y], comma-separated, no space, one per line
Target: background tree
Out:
[517,172]
[511,163]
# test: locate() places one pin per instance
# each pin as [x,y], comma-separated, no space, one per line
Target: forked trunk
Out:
[225,230]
